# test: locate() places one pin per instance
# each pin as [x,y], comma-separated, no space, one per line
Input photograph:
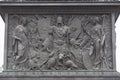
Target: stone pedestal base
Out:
[45,75]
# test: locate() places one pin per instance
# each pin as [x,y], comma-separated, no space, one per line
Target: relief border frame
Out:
[81,73]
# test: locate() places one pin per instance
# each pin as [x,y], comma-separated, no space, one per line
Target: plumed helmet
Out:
[59,19]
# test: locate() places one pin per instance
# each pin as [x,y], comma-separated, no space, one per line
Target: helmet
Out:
[59,20]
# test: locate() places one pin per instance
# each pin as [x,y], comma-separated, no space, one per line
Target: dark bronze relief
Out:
[59,42]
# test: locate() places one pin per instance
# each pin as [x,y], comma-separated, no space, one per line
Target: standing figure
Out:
[59,39]
[59,36]
[98,38]
[20,43]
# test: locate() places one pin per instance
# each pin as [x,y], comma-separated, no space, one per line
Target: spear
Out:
[103,43]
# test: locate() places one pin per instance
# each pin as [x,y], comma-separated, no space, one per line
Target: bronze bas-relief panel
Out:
[59,42]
